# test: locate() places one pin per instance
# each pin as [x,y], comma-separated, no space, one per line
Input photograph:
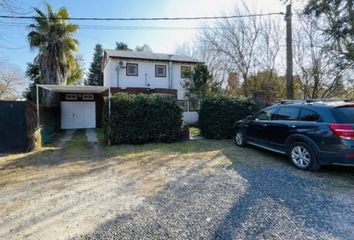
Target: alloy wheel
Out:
[301,156]
[239,138]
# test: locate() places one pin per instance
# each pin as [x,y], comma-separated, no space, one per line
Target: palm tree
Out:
[51,34]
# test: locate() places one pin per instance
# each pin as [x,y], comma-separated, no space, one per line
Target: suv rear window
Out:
[344,114]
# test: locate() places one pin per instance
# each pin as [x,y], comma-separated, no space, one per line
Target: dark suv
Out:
[311,133]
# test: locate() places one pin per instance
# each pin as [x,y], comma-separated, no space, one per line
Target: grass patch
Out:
[78,144]
[100,135]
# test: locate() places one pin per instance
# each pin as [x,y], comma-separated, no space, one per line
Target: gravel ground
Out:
[270,201]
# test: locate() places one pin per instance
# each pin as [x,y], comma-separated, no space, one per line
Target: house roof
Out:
[73,88]
[150,56]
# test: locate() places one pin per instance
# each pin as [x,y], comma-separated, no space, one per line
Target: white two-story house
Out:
[142,72]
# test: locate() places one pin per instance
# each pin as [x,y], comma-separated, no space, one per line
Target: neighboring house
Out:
[142,72]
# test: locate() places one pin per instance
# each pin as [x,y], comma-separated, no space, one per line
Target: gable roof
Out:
[150,56]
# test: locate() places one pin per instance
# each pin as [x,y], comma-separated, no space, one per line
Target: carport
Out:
[77,104]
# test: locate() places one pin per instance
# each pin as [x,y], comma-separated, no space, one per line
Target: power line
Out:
[145,19]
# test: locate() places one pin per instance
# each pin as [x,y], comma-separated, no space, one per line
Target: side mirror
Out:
[249,118]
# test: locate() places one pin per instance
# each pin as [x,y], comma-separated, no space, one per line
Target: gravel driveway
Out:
[259,196]
[192,190]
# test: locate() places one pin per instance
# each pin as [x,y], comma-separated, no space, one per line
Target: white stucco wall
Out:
[146,70]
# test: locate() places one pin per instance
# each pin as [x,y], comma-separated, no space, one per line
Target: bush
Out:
[142,118]
[218,114]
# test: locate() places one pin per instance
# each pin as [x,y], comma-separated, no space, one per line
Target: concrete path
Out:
[91,135]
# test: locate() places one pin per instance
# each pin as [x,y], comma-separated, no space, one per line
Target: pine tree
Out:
[95,76]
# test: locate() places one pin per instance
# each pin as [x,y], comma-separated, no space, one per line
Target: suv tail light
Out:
[345,131]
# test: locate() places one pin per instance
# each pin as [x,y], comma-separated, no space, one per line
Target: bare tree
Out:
[321,77]
[242,47]
[10,80]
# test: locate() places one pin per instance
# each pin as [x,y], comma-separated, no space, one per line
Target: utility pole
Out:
[289,54]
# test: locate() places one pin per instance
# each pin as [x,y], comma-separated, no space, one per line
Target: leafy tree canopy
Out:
[201,83]
[122,46]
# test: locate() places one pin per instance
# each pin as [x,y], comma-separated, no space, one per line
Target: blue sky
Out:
[164,41]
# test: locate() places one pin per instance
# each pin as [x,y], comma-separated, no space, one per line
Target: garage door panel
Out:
[89,113]
[67,117]
[75,115]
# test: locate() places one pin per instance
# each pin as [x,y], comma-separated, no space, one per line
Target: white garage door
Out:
[76,115]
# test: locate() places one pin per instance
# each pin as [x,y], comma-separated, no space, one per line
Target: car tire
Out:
[240,138]
[303,157]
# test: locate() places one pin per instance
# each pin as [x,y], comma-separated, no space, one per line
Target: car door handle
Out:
[264,125]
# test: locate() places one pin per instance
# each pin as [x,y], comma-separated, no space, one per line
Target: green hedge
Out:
[218,114]
[142,118]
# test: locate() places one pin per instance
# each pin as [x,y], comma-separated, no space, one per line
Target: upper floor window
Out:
[160,70]
[132,69]
[186,72]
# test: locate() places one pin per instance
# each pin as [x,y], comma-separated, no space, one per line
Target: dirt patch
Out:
[68,190]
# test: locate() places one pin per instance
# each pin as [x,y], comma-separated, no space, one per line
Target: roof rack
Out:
[314,100]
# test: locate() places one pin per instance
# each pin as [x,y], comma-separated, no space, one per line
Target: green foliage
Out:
[218,114]
[122,46]
[142,118]
[201,83]
[95,76]
[268,83]
[52,35]
[77,74]
[33,75]
[337,17]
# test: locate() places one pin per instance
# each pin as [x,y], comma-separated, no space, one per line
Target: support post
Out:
[289,54]
[37,106]
[109,116]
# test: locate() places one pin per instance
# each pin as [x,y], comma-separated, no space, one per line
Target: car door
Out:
[257,127]
[282,126]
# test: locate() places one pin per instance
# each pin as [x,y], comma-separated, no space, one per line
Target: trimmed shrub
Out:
[142,118]
[218,114]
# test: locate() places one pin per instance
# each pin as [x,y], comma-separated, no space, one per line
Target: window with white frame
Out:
[71,96]
[132,69]
[160,70]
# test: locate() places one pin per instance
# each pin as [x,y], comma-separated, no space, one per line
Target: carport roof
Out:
[73,88]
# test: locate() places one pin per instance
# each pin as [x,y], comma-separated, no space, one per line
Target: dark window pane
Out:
[160,71]
[266,114]
[308,115]
[183,104]
[344,114]
[132,69]
[288,113]
[186,72]
[193,105]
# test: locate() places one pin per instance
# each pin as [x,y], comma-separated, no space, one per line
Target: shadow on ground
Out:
[256,195]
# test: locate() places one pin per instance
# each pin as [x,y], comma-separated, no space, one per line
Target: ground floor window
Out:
[189,105]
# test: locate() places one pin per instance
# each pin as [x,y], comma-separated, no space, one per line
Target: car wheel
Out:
[240,138]
[303,157]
